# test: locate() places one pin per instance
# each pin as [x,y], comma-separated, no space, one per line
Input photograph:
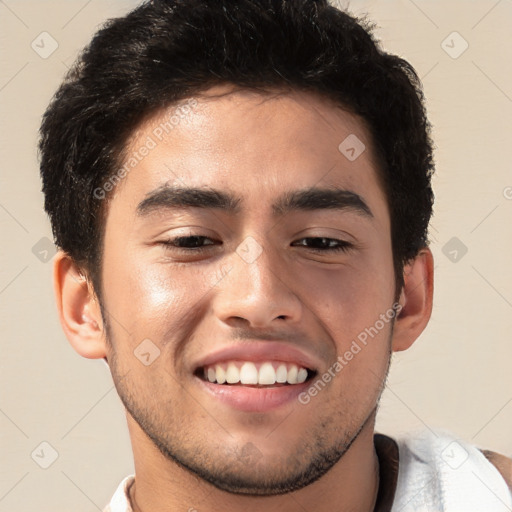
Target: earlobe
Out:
[78,308]
[415,300]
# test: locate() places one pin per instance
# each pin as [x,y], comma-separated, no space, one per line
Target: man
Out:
[241,194]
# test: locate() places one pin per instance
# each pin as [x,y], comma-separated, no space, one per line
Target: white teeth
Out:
[232,374]
[302,375]
[292,375]
[267,374]
[221,374]
[249,373]
[281,373]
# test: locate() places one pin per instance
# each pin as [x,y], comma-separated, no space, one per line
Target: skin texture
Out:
[191,450]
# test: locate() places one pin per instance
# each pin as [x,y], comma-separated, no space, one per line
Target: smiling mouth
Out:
[255,374]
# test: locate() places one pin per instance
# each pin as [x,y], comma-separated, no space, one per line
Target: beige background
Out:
[457,376]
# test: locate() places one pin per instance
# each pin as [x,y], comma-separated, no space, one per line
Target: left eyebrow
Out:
[321,199]
[308,199]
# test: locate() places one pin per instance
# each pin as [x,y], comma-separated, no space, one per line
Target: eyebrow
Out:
[309,199]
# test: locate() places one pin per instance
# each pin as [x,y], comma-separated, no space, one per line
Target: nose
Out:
[257,291]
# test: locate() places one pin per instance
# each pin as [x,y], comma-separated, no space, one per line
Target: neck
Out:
[351,484]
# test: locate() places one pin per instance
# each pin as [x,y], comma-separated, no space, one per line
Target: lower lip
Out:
[250,399]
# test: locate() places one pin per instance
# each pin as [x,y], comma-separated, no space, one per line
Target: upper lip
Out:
[259,352]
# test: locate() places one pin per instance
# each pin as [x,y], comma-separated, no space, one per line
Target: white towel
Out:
[441,473]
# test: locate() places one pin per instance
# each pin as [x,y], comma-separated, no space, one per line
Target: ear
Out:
[78,307]
[415,300]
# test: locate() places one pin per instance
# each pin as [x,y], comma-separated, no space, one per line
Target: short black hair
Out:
[166,51]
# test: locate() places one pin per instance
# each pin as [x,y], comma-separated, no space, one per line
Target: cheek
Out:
[153,299]
[349,298]
[353,304]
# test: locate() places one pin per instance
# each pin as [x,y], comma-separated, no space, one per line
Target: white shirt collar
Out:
[120,501]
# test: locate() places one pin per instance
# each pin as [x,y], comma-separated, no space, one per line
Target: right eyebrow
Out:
[191,197]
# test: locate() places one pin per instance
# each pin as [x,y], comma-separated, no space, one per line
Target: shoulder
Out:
[503,464]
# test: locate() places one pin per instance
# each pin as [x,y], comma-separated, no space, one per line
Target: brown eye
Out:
[193,243]
[190,242]
[323,244]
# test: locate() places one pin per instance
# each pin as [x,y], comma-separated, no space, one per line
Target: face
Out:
[244,244]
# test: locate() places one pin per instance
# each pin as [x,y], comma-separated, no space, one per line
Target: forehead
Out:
[251,143]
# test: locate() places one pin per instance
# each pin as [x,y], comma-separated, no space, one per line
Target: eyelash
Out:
[342,246]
